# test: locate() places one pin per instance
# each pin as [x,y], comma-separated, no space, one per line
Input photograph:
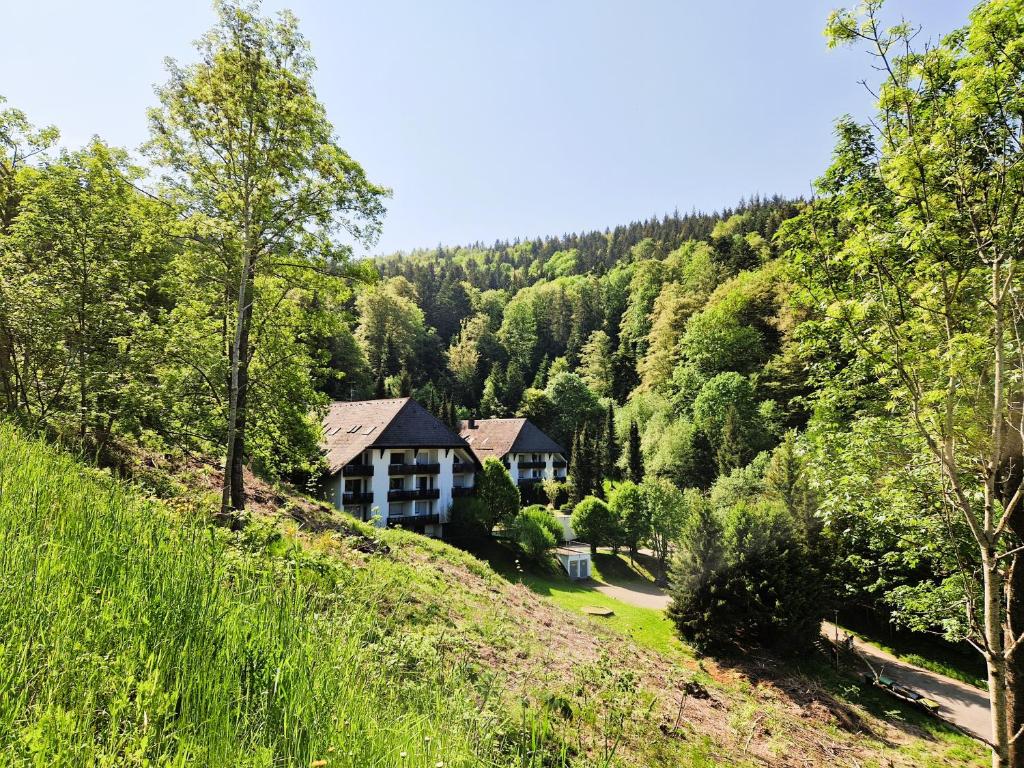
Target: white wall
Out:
[379,485]
[567,532]
[446,457]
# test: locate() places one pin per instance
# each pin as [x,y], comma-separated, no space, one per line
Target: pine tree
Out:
[611,447]
[584,476]
[490,402]
[572,476]
[731,447]
[636,459]
[540,380]
[378,386]
[405,384]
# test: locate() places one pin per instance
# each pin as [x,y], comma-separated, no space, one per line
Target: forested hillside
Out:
[557,329]
[795,409]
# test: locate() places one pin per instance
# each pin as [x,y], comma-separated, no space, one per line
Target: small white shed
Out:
[575,558]
[566,522]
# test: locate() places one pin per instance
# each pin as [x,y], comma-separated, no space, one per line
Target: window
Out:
[397,484]
[425,483]
[398,457]
[354,486]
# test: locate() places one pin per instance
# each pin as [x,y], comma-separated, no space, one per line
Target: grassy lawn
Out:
[944,745]
[647,627]
[618,569]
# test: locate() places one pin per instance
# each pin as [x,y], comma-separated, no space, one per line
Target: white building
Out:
[394,462]
[530,457]
[528,453]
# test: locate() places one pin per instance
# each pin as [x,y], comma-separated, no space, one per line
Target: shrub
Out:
[535,531]
[626,503]
[555,490]
[470,521]
[593,522]
[497,493]
[745,577]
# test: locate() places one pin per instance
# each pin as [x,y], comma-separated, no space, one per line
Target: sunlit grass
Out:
[131,636]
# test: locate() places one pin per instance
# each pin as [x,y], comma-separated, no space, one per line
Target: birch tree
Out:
[252,162]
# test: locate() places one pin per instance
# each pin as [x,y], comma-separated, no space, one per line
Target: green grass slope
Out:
[133,632]
[129,636]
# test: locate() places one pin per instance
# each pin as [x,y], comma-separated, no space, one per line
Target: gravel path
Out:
[961,704]
[634,593]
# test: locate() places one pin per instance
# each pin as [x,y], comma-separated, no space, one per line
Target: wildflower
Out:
[318,764]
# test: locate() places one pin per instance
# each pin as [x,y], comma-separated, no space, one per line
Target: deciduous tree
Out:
[252,162]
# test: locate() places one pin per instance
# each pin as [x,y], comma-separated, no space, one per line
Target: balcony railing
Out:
[414,519]
[532,464]
[458,491]
[529,480]
[559,464]
[416,494]
[463,466]
[357,470]
[356,498]
[413,469]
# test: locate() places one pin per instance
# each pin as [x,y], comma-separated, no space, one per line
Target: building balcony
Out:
[458,491]
[559,464]
[463,466]
[357,470]
[414,520]
[416,494]
[357,498]
[532,464]
[413,469]
[526,481]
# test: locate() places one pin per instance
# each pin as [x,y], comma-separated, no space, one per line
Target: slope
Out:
[134,633]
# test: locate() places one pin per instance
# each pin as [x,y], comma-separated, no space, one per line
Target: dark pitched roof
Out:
[498,437]
[352,427]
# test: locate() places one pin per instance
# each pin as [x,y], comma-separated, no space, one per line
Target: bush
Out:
[497,493]
[535,531]
[593,522]
[626,503]
[555,490]
[469,522]
[746,577]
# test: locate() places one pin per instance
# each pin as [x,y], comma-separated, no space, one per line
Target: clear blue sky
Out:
[495,119]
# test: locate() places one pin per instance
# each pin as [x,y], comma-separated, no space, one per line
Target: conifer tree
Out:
[540,380]
[636,459]
[731,447]
[611,449]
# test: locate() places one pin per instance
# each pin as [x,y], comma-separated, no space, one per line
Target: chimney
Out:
[471,423]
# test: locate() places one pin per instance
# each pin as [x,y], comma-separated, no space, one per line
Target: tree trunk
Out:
[241,411]
[994,658]
[1015,664]
[230,493]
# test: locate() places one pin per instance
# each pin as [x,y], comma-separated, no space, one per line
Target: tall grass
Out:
[131,636]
